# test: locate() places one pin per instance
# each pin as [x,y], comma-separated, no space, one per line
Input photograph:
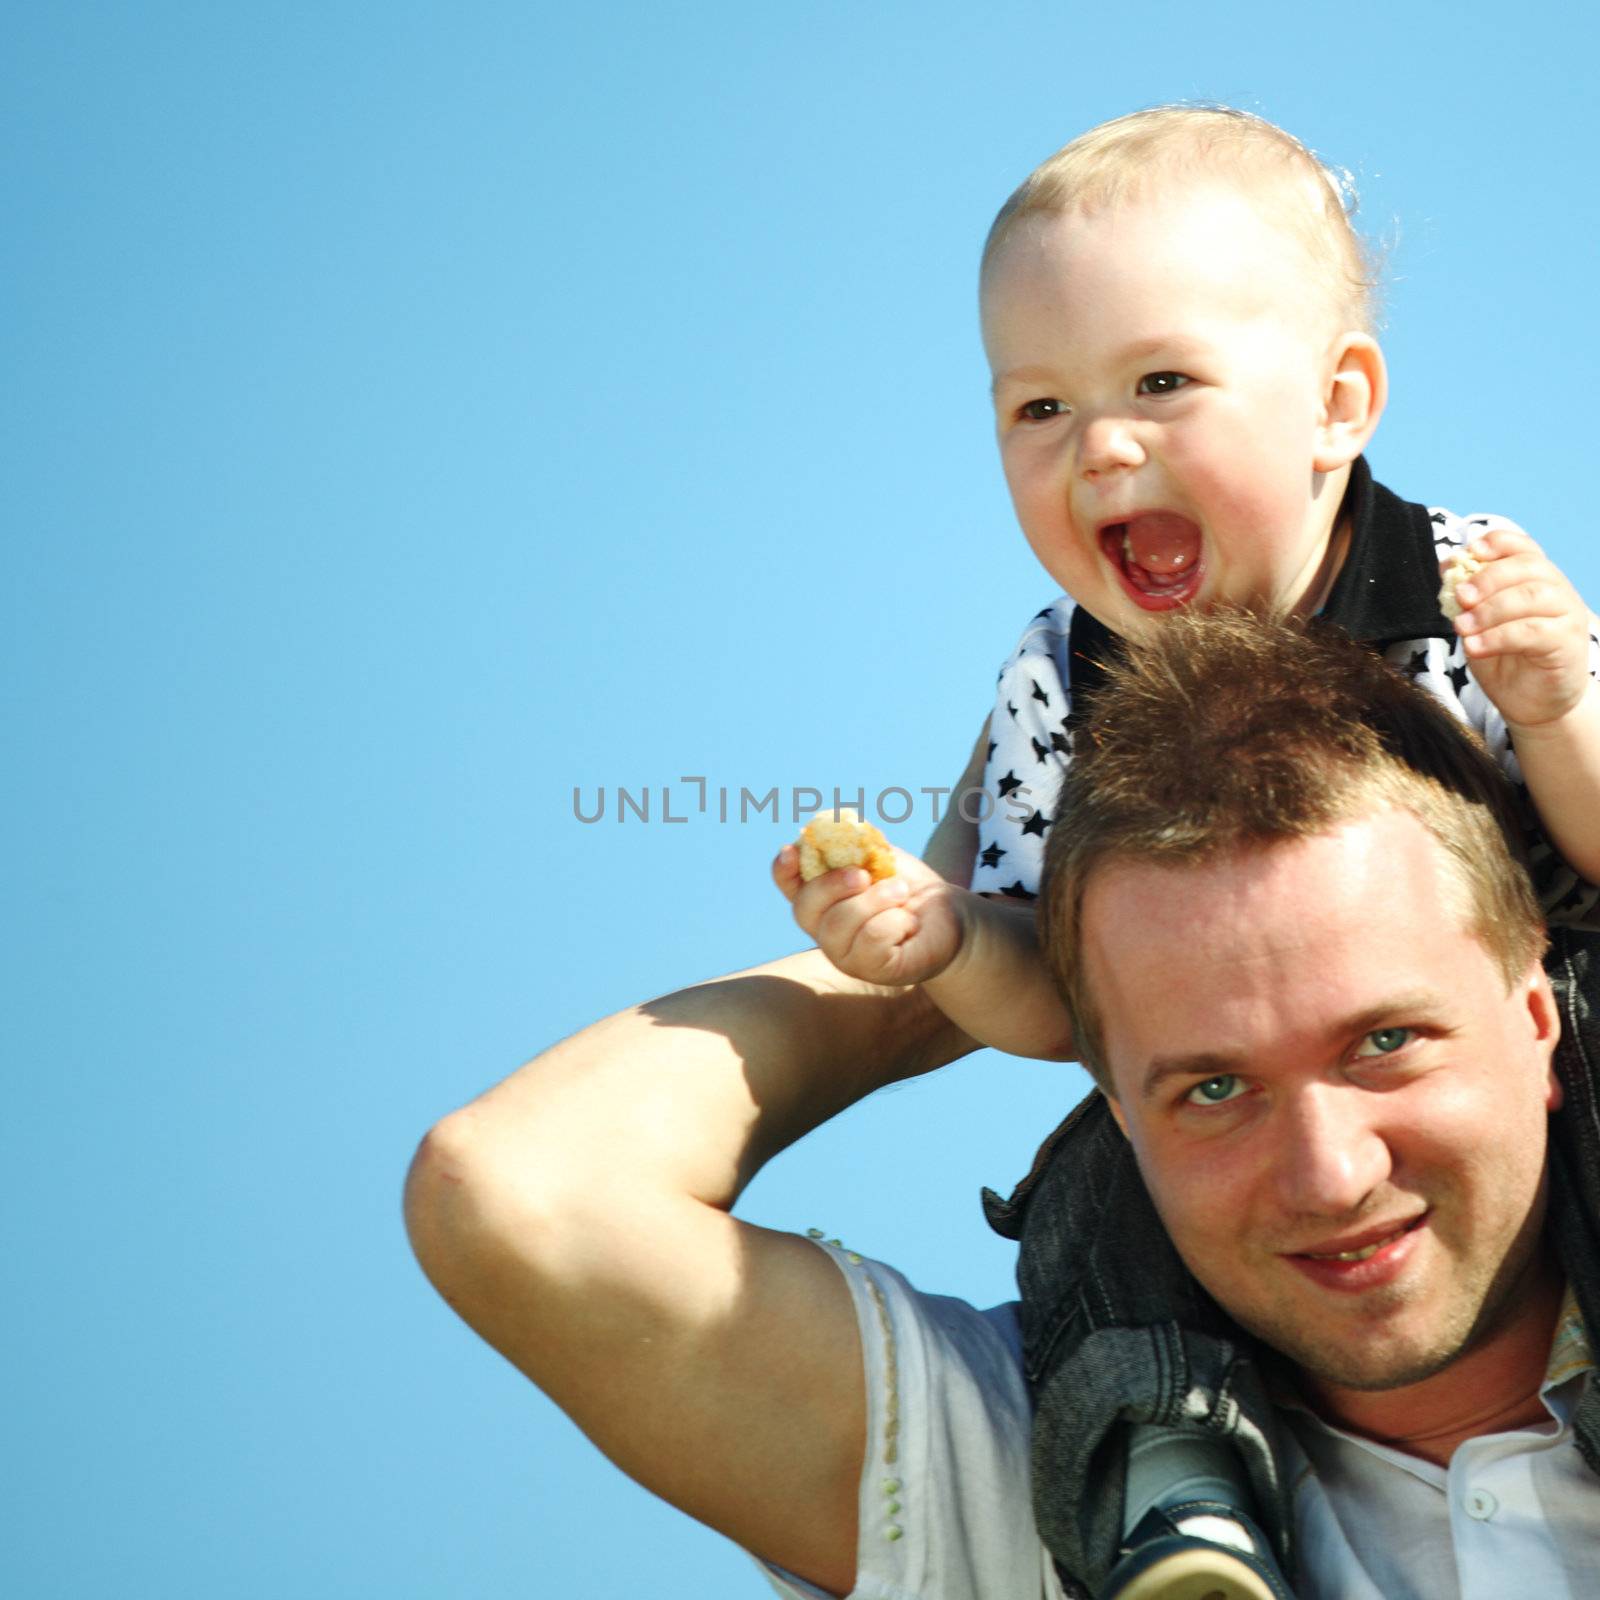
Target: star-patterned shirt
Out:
[1386,595]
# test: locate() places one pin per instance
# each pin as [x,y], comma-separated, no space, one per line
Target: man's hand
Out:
[899,931]
[1525,630]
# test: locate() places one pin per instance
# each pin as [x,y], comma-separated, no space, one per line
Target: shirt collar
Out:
[1570,1352]
[1388,586]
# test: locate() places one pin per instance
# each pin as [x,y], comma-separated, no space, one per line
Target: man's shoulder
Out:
[984,1338]
[946,1509]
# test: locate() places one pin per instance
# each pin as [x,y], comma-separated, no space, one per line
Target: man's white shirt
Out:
[946,1512]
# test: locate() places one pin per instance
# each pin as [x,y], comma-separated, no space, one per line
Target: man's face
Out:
[1338,1109]
[1162,370]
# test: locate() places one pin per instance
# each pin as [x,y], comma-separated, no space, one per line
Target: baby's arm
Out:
[976,956]
[997,988]
[1526,633]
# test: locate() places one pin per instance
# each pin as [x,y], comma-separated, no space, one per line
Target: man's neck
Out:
[1492,1387]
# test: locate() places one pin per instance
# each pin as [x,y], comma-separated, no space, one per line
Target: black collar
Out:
[1387,589]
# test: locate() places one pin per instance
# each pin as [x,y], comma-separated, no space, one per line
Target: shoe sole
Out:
[1195,1575]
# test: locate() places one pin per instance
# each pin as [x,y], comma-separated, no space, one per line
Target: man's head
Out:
[1303,962]
[1177,316]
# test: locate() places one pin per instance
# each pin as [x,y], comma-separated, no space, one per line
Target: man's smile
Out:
[1370,1259]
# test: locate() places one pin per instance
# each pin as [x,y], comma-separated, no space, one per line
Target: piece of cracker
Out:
[1461,566]
[841,839]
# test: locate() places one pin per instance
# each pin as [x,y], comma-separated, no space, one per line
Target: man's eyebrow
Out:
[1419,1006]
[1206,1064]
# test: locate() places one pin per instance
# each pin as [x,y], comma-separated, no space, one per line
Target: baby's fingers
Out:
[1534,637]
[829,906]
[786,872]
[1495,543]
[1526,590]
[1507,572]
[875,949]
[849,900]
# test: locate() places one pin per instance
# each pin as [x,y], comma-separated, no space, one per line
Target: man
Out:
[1328,1038]
[1272,840]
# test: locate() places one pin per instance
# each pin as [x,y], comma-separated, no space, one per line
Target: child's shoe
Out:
[1199,1550]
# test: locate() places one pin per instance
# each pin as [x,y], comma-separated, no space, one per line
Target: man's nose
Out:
[1108,442]
[1330,1153]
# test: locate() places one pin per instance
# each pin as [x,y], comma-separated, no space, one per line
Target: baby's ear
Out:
[1356,387]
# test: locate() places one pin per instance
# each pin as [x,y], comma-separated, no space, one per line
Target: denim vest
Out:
[1116,1330]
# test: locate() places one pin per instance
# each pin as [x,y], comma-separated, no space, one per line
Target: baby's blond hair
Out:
[1121,159]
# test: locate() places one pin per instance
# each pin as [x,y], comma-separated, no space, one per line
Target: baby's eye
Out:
[1385,1041]
[1041,410]
[1215,1091]
[1162,382]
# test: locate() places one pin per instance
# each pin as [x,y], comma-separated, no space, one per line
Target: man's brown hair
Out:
[1230,731]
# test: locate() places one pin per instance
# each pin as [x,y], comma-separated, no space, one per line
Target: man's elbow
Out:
[440,1205]
[433,1182]
[466,1207]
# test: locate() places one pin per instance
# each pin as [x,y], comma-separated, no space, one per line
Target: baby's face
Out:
[1162,372]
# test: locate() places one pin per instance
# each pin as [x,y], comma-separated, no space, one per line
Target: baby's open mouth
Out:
[1158,556]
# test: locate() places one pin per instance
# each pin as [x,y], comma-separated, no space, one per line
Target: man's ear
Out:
[1115,1106]
[1545,1016]
[1354,394]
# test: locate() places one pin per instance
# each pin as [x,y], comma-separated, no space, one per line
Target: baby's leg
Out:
[1189,1529]
[1167,1468]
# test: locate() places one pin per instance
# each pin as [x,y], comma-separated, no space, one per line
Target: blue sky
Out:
[415,413]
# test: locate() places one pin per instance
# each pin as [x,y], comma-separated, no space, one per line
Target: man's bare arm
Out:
[577,1216]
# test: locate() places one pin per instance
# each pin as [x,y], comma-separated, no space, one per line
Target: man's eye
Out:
[1215,1091]
[1385,1041]
[1042,410]
[1162,382]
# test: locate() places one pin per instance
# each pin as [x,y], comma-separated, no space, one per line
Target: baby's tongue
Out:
[1162,543]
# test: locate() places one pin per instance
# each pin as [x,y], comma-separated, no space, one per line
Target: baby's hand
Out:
[1524,628]
[900,930]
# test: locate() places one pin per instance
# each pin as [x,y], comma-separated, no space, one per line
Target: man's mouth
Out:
[1364,1260]
[1366,1251]
[1157,554]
